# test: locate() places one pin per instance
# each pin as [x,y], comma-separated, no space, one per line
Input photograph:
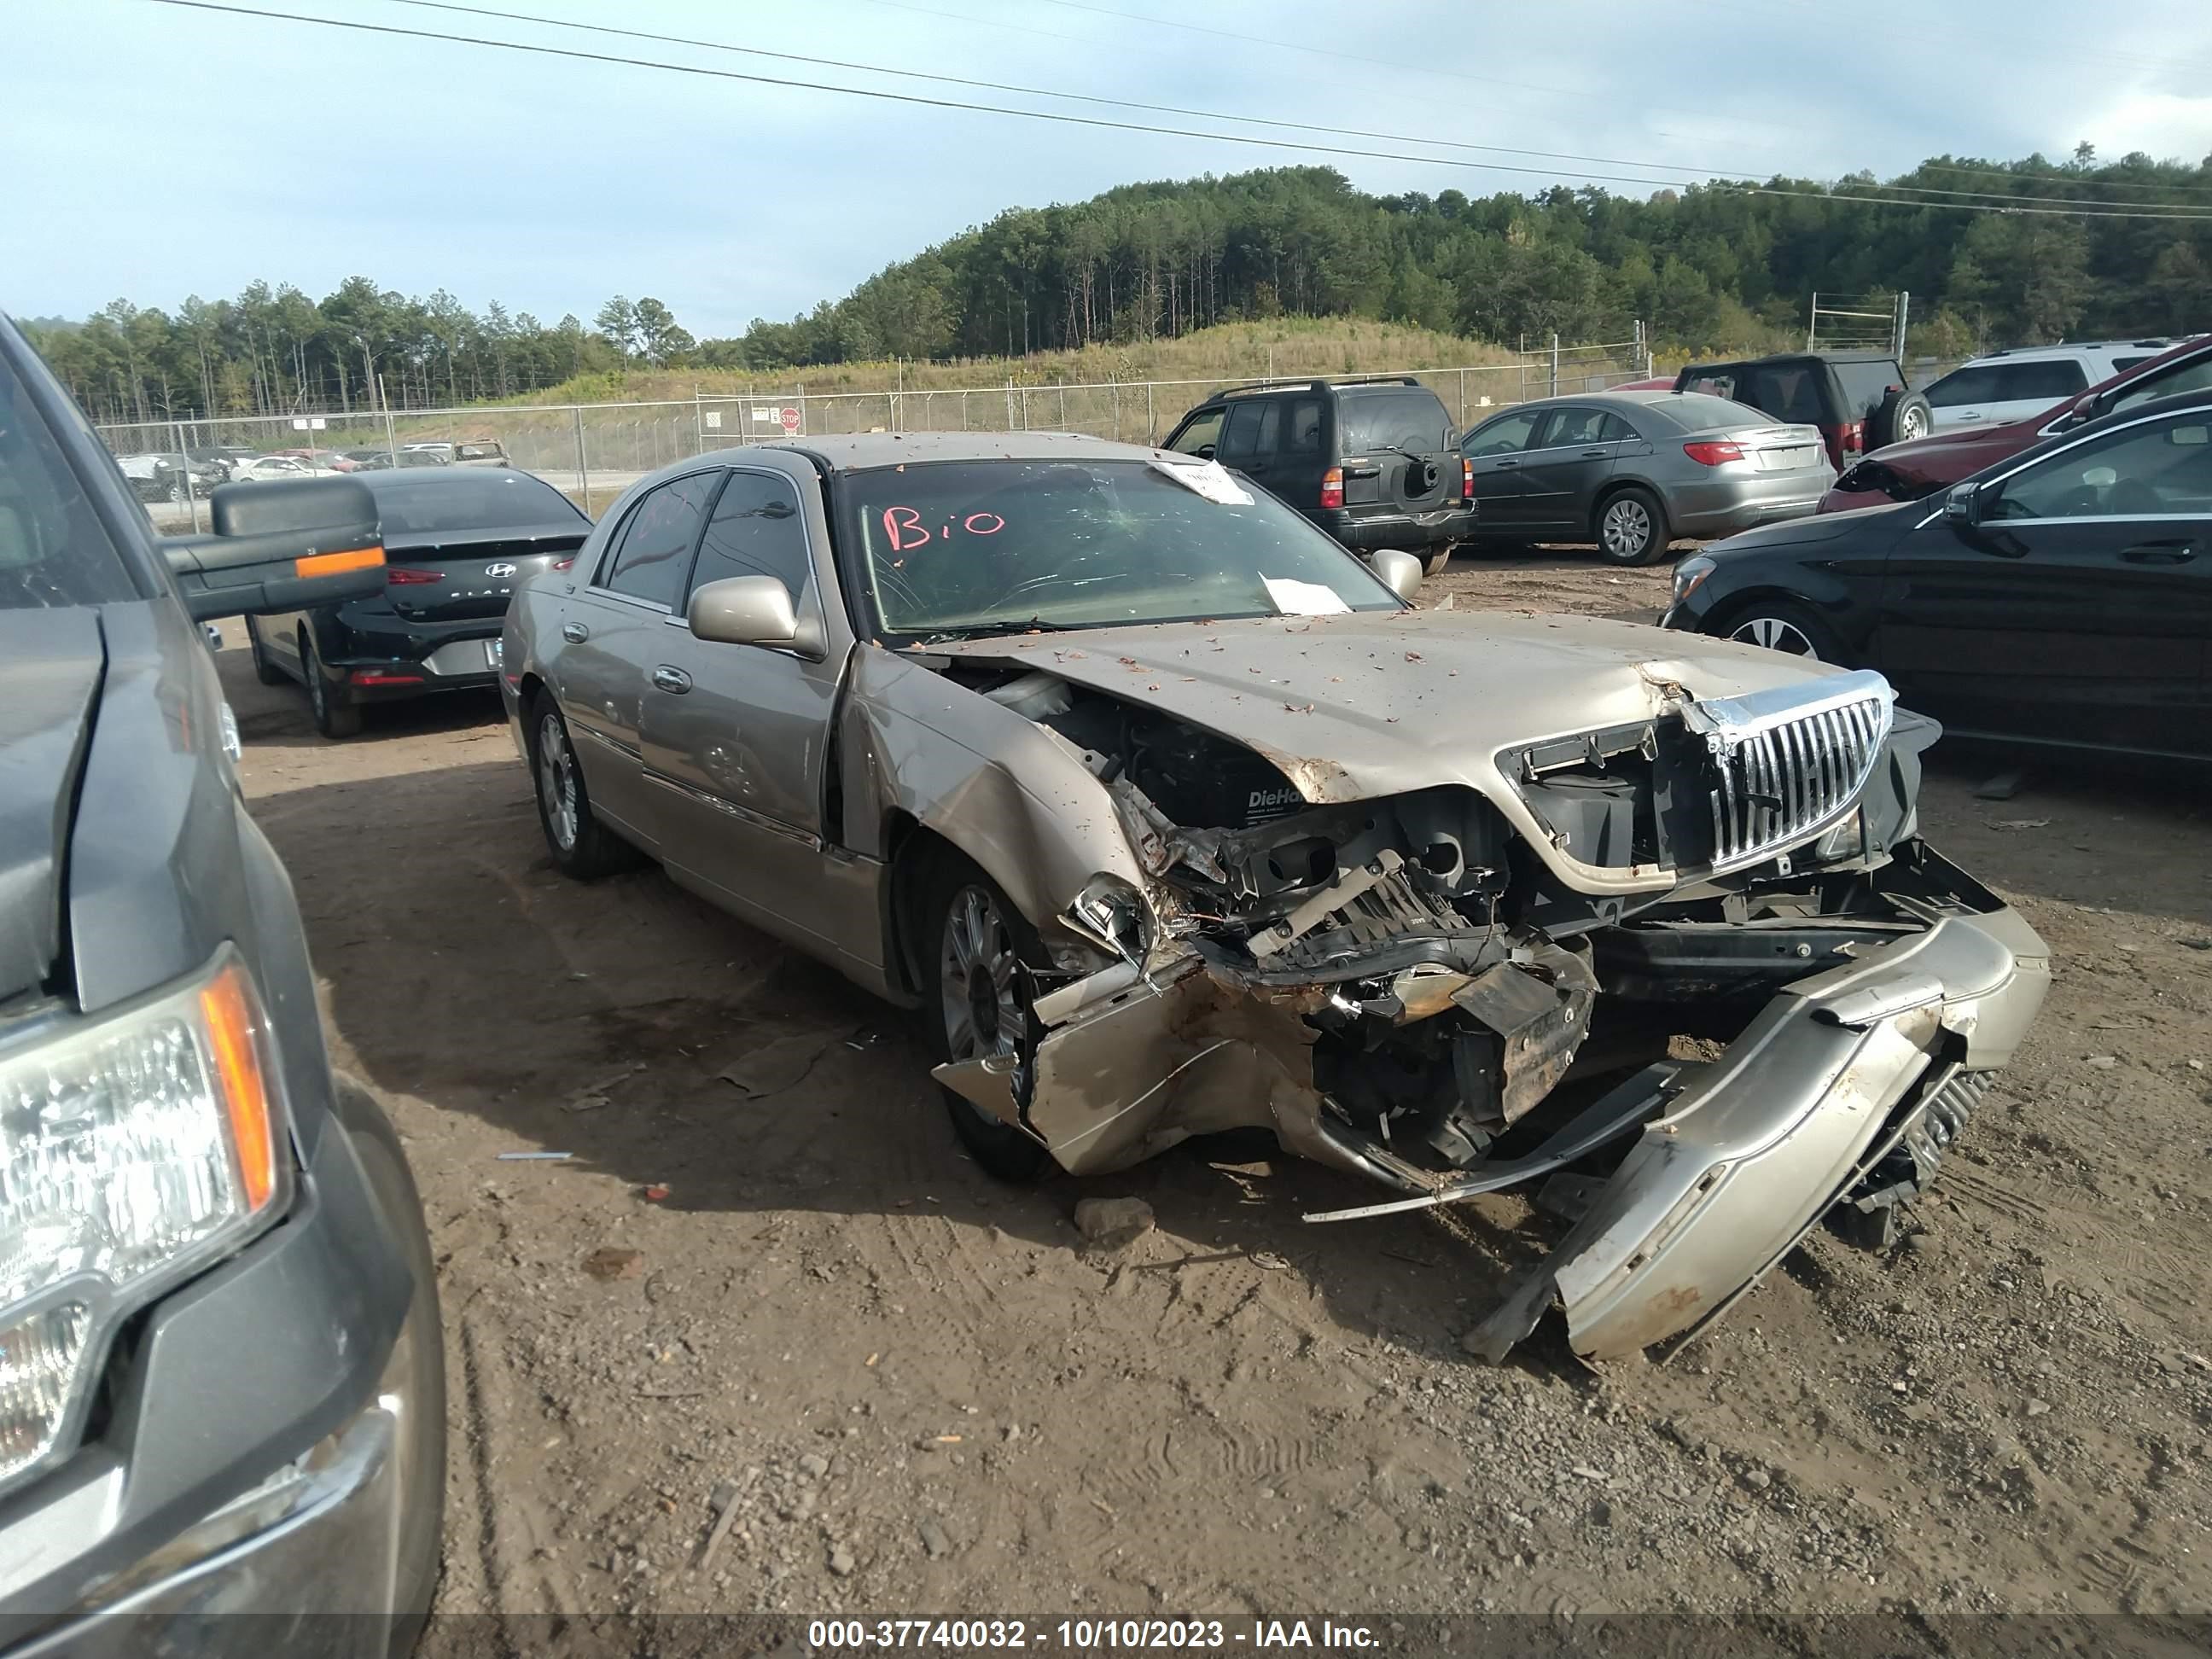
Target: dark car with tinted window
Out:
[221,1377]
[2063,597]
[457,542]
[1369,460]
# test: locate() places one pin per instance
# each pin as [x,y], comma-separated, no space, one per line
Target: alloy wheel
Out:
[978,979]
[1627,528]
[1775,634]
[557,781]
[1912,424]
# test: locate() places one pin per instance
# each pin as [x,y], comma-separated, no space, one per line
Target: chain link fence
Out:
[593,451]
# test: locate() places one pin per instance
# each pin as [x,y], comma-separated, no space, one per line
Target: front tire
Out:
[1783,625]
[582,846]
[334,717]
[264,669]
[975,1000]
[1632,528]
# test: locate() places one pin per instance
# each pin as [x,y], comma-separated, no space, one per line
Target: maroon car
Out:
[1907,471]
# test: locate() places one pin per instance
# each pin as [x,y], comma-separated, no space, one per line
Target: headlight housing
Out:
[1689,573]
[135,1147]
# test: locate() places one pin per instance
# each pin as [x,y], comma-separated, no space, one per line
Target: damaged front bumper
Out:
[1738,1158]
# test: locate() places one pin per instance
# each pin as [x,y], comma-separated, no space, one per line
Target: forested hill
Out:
[1702,267]
[1993,253]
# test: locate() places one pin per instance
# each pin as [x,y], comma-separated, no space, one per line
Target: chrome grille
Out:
[1790,763]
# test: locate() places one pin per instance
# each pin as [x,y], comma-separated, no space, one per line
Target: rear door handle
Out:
[2160,553]
[574,633]
[1595,454]
[1502,465]
[673,680]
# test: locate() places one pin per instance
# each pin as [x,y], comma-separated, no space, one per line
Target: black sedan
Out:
[457,542]
[2063,596]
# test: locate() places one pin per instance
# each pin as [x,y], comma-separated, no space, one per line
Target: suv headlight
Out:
[134,1147]
[1688,574]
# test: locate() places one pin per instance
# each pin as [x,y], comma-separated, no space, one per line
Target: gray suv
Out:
[221,1376]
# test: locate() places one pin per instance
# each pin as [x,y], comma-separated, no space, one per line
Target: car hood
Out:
[50,664]
[1811,532]
[1946,457]
[1368,704]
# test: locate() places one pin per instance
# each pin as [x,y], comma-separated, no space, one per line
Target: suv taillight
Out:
[399,575]
[1466,479]
[1853,437]
[1332,487]
[1712,454]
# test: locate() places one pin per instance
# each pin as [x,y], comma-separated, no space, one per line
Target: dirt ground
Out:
[920,1392]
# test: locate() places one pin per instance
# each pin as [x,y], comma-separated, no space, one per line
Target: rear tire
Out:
[1632,528]
[1438,560]
[264,669]
[1899,418]
[582,846]
[1783,625]
[334,716]
[970,928]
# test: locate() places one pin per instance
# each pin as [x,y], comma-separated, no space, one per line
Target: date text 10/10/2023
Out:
[1082,1634]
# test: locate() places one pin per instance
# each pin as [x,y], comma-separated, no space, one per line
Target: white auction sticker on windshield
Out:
[1209,478]
[1296,598]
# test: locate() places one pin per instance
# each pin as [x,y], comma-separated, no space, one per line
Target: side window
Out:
[2168,383]
[1567,427]
[1502,436]
[756,531]
[1203,431]
[2018,382]
[2161,467]
[1614,430]
[648,562]
[1714,385]
[1251,429]
[1305,425]
[1961,386]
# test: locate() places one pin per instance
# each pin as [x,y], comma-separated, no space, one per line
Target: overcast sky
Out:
[156,151]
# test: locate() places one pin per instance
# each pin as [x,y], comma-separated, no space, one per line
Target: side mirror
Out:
[1401,572]
[743,611]
[285,547]
[1963,506]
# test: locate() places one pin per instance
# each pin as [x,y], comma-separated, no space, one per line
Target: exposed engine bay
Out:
[1419,989]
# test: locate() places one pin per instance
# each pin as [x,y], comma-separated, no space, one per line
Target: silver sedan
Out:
[1634,471]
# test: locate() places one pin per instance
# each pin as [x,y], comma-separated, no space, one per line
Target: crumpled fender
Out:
[1011,794]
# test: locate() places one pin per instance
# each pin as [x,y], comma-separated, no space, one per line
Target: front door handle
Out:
[673,680]
[1502,465]
[574,633]
[2160,553]
[1595,454]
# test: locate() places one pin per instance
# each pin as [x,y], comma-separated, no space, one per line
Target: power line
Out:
[1330,53]
[788,83]
[2186,216]
[1064,119]
[1033,92]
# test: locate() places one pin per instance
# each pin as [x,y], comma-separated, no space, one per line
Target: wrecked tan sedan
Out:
[1174,818]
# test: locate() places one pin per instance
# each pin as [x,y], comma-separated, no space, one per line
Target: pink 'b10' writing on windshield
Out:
[906,530]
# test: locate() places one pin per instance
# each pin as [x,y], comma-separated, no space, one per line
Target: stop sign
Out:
[790,419]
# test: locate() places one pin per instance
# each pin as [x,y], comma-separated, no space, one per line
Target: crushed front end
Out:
[1706,945]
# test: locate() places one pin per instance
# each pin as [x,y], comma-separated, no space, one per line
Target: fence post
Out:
[1117,395]
[583,472]
[802,408]
[184,467]
[1555,366]
[1462,397]
[698,418]
[1151,421]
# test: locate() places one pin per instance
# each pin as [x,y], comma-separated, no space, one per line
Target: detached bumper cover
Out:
[1755,1148]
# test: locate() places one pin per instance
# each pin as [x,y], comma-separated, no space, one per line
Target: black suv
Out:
[1858,399]
[1369,460]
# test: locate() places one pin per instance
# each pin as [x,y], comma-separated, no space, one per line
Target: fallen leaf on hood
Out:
[1412,656]
[1299,708]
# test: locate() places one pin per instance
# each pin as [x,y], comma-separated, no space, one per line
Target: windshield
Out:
[420,502]
[954,546]
[53,549]
[1410,418]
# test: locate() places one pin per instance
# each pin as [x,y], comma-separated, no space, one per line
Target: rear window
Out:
[54,550]
[1864,385]
[1411,418]
[1788,392]
[1699,411]
[431,502]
